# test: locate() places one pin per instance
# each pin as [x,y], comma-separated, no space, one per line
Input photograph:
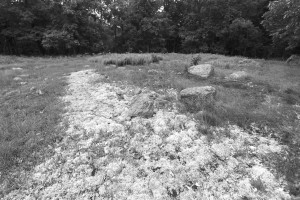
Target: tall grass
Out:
[133,60]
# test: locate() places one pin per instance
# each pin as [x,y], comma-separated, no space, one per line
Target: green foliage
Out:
[283,22]
[196,60]
[211,26]
[39,27]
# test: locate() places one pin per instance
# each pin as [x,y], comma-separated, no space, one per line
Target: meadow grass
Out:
[30,111]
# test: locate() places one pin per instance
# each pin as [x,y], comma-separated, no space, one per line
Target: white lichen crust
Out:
[108,156]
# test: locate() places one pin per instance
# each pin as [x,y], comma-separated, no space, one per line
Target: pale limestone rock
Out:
[202,71]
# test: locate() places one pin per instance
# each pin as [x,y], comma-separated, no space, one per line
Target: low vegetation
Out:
[30,111]
[131,60]
[265,103]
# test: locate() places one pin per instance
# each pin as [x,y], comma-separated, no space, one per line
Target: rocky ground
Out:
[124,142]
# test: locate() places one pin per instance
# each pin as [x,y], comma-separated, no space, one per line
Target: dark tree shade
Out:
[233,27]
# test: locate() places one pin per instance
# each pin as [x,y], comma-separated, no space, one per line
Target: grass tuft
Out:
[133,60]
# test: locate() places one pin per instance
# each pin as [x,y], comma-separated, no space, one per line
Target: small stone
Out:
[12,92]
[17,68]
[39,92]
[137,91]
[249,63]
[32,88]
[202,71]
[17,79]
[24,75]
[111,67]
[239,75]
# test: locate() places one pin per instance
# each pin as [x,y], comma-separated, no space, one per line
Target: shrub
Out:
[196,60]
[110,62]
[155,58]
[209,118]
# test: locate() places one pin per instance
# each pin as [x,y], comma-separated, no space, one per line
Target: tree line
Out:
[252,28]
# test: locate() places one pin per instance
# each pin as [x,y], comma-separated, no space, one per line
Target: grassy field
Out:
[30,108]
[30,111]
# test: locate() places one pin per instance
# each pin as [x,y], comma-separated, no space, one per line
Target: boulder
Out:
[239,75]
[202,71]
[202,92]
[143,105]
[196,98]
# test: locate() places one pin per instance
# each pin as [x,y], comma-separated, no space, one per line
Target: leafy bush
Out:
[196,60]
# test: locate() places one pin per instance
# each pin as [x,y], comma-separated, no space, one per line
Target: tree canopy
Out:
[253,28]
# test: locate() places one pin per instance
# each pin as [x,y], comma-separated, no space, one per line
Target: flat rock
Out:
[239,75]
[196,98]
[249,63]
[202,92]
[143,105]
[111,66]
[202,71]
[17,68]
[17,79]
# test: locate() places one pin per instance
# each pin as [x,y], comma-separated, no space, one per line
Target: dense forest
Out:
[252,28]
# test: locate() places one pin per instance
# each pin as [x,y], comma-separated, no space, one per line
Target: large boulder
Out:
[196,98]
[202,71]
